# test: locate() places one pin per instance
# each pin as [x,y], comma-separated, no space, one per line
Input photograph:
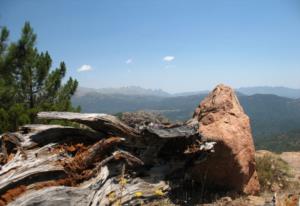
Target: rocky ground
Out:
[283,197]
[293,159]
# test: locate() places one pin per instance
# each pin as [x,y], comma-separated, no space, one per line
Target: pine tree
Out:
[27,82]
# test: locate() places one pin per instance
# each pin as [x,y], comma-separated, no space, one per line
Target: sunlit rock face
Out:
[232,167]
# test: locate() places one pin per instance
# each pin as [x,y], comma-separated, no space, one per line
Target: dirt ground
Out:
[293,159]
[290,197]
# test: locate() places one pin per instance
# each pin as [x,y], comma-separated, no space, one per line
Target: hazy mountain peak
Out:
[128,90]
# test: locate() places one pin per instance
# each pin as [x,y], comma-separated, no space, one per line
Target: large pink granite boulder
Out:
[232,166]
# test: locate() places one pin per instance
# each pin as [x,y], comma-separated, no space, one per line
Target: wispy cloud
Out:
[128,61]
[168,58]
[85,68]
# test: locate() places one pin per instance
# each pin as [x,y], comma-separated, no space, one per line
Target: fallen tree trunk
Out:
[105,123]
[51,164]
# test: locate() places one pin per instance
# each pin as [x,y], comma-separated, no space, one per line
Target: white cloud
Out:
[128,61]
[85,68]
[168,58]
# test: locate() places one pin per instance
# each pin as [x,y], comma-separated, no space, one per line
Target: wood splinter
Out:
[86,159]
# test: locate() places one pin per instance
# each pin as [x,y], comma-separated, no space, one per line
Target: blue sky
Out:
[175,45]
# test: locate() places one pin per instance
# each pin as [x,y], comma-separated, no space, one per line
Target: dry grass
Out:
[273,173]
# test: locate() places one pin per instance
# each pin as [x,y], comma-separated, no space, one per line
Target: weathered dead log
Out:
[40,134]
[149,138]
[136,192]
[105,123]
[111,125]
[85,160]
[20,173]
[78,166]
[9,141]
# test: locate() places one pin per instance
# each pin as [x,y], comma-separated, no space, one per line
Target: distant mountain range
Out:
[279,91]
[139,91]
[275,119]
[130,90]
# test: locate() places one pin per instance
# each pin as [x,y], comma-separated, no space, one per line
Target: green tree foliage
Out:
[27,82]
